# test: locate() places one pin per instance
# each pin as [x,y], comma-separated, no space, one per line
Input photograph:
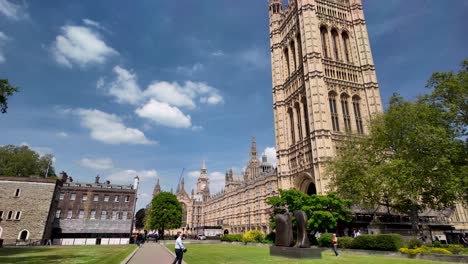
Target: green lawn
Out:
[239,254]
[66,254]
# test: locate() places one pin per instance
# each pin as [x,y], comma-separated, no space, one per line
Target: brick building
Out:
[94,213]
[25,204]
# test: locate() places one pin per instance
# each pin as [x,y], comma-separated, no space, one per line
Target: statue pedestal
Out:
[294,252]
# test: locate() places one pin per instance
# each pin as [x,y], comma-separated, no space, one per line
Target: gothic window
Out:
[23,235]
[291,125]
[286,55]
[346,47]
[293,53]
[335,44]
[306,116]
[333,111]
[299,48]
[299,121]
[357,114]
[324,35]
[345,108]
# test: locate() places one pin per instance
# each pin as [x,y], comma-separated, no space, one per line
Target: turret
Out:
[136,182]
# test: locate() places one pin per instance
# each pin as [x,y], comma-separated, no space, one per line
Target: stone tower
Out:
[324,85]
[203,183]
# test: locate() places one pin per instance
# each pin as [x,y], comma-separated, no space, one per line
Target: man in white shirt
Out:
[179,248]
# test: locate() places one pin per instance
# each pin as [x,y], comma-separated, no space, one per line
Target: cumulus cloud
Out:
[97,164]
[62,134]
[92,23]
[193,174]
[12,11]
[126,176]
[109,128]
[217,53]
[164,114]
[3,39]
[171,93]
[270,152]
[125,87]
[80,45]
[217,181]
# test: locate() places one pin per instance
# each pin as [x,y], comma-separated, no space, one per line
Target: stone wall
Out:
[29,207]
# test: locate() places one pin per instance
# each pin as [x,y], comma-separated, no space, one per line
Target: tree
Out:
[21,161]
[140,218]
[6,90]
[410,161]
[324,212]
[165,213]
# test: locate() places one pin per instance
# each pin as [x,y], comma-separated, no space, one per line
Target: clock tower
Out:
[203,183]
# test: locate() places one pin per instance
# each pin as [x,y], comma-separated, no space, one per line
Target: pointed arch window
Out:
[299,121]
[299,48]
[306,116]
[333,111]
[345,109]
[286,56]
[357,114]
[291,125]
[346,46]
[334,34]
[293,53]
[324,36]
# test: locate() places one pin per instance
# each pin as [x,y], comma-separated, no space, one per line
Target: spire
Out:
[157,188]
[182,187]
[203,170]
[253,150]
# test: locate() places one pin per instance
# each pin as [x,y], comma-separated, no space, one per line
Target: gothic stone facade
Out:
[324,85]
[25,204]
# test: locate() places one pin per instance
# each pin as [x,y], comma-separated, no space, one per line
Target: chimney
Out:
[97,179]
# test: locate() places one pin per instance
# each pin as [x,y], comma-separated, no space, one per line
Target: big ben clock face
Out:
[203,186]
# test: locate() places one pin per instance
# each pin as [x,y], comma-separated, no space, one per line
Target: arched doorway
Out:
[306,183]
[23,235]
[311,189]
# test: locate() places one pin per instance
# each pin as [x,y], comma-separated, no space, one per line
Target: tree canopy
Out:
[21,161]
[324,212]
[165,212]
[6,90]
[414,157]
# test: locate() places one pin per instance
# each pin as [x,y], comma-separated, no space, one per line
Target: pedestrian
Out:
[179,249]
[354,233]
[335,244]
[358,233]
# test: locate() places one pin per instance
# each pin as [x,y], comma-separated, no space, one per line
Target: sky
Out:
[149,88]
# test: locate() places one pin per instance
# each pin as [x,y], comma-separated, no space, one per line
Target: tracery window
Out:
[345,109]
[346,46]
[357,114]
[291,125]
[335,44]
[324,35]
[333,111]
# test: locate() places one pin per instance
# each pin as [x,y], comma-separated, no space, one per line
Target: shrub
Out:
[414,243]
[253,236]
[325,240]
[388,242]
[231,238]
[345,242]
[454,248]
[271,236]
[413,252]
[440,251]
[436,244]
[266,241]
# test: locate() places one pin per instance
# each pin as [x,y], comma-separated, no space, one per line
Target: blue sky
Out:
[119,88]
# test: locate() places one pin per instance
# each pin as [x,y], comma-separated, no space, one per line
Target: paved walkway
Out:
[152,253]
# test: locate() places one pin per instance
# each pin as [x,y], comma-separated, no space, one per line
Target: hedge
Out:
[325,240]
[387,242]
[231,238]
[345,242]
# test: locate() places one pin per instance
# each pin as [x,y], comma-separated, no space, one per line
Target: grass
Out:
[65,254]
[239,254]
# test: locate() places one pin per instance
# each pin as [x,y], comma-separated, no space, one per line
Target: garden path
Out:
[152,253]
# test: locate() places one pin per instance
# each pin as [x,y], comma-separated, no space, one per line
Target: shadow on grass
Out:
[8,251]
[49,259]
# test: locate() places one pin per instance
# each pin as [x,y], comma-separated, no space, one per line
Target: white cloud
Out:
[3,39]
[217,53]
[217,181]
[255,57]
[164,114]
[80,45]
[270,152]
[92,23]
[97,164]
[190,70]
[125,87]
[197,128]
[126,176]
[193,174]
[109,128]
[171,93]
[12,11]
[62,134]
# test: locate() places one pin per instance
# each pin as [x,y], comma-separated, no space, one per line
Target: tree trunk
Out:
[414,217]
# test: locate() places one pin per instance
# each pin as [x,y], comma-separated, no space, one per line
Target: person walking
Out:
[179,248]
[335,244]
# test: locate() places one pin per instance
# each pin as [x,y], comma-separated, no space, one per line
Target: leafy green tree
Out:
[6,90]
[410,161]
[165,213]
[324,212]
[21,161]
[140,218]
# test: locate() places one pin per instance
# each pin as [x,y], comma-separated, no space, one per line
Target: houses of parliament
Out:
[324,87]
